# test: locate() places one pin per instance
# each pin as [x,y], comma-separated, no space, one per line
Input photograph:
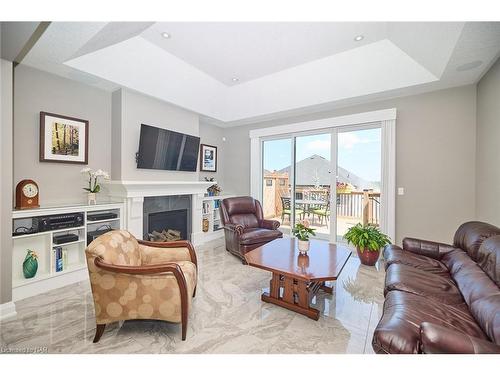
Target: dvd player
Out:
[101,216]
[65,238]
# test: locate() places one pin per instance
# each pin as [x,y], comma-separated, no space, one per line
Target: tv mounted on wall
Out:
[167,150]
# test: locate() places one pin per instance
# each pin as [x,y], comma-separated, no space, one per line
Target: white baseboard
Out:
[7,310]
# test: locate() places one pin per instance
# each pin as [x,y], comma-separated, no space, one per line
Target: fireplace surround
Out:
[167,212]
[136,196]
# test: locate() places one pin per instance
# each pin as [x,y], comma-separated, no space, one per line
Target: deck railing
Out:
[363,205]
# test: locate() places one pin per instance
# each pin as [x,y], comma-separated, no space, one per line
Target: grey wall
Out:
[212,135]
[6,181]
[37,91]
[137,109]
[435,159]
[488,150]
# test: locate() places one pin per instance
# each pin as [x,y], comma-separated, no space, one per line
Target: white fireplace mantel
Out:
[131,189]
[134,192]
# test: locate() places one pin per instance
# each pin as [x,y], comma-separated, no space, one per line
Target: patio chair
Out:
[323,213]
[286,209]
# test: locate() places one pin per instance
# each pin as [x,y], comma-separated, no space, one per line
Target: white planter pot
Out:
[91,199]
[303,246]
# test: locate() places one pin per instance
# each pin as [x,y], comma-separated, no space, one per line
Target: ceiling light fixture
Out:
[235,79]
[358,38]
[165,35]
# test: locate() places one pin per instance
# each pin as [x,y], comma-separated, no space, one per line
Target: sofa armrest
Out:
[237,228]
[269,224]
[430,249]
[435,339]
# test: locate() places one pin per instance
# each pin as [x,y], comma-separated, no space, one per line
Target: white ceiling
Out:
[250,50]
[282,68]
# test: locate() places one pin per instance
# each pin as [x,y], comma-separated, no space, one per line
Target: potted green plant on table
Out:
[303,232]
[368,240]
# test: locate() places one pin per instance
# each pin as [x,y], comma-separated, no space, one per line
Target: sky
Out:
[358,151]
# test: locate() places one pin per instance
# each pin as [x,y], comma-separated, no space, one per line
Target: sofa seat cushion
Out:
[394,255]
[413,280]
[399,328]
[257,235]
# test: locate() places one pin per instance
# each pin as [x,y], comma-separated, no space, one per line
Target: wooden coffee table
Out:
[297,278]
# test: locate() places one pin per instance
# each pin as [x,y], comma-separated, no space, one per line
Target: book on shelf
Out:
[58,259]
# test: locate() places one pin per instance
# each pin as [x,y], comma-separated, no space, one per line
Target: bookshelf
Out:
[74,267]
[210,211]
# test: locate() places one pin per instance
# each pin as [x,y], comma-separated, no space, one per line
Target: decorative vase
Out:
[91,199]
[205,225]
[30,264]
[303,246]
[368,257]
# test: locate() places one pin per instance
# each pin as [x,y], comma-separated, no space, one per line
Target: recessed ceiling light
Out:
[165,35]
[358,38]
[469,65]
[235,79]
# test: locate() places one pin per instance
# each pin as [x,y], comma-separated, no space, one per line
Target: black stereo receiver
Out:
[54,222]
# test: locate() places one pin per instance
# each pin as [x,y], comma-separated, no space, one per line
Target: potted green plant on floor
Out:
[368,240]
[303,232]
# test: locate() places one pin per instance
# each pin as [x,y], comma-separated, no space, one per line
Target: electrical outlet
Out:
[401,191]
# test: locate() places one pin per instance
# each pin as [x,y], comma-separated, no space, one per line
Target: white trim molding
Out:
[7,310]
[332,122]
[388,193]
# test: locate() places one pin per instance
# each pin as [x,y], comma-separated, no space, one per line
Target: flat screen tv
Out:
[167,150]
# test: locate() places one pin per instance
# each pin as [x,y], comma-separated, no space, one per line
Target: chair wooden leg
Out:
[184,328]
[98,332]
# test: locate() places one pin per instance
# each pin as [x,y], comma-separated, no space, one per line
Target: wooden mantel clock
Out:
[27,195]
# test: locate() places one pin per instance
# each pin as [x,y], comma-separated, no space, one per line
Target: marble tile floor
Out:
[227,316]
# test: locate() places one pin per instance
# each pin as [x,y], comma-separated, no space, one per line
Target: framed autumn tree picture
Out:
[63,139]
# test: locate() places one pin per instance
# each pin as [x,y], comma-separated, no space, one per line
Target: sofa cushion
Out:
[395,255]
[470,279]
[488,258]
[258,235]
[399,328]
[469,236]
[412,280]
[486,311]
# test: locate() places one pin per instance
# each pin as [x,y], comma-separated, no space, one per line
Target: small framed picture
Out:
[63,139]
[208,159]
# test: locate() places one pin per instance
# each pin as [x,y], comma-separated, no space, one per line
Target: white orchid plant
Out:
[93,177]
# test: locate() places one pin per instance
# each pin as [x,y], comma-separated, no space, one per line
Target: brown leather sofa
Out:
[245,228]
[442,298]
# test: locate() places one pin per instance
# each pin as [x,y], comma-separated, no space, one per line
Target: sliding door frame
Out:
[384,119]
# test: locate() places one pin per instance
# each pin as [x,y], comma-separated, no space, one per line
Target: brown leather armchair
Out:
[245,228]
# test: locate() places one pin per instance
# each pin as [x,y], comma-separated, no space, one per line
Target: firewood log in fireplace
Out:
[165,235]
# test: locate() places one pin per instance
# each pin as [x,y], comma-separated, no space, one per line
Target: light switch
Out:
[401,191]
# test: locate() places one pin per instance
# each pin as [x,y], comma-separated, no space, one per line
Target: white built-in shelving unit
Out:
[42,243]
[211,212]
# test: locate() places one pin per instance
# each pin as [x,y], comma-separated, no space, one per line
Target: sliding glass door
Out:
[276,181]
[312,181]
[330,179]
[359,154]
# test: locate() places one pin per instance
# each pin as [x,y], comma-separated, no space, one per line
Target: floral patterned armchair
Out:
[133,279]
